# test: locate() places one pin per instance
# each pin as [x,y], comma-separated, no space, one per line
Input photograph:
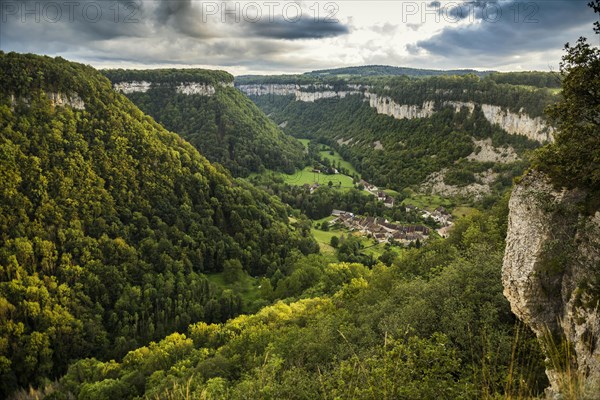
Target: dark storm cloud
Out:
[182,17]
[55,27]
[303,28]
[51,27]
[504,28]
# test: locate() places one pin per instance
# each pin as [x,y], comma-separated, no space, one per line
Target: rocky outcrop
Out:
[132,87]
[551,277]
[513,123]
[62,99]
[486,152]
[518,124]
[57,99]
[305,93]
[435,184]
[387,106]
[196,88]
[188,88]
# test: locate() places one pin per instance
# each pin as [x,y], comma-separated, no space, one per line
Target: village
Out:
[380,228]
[383,230]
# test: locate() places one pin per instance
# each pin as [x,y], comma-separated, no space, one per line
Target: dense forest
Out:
[434,324]
[169,76]
[109,223]
[225,127]
[114,232]
[528,78]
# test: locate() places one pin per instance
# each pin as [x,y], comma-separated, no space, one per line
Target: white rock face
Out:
[552,257]
[513,123]
[61,100]
[325,92]
[132,87]
[328,94]
[343,142]
[57,100]
[518,124]
[196,88]
[269,89]
[458,105]
[188,88]
[387,106]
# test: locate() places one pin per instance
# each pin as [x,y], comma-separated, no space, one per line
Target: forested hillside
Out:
[432,325]
[108,223]
[433,125]
[411,149]
[221,123]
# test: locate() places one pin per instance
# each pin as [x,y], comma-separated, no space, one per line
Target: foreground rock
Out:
[551,277]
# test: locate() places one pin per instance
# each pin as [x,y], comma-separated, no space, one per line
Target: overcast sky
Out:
[246,37]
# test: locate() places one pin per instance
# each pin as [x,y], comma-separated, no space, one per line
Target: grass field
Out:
[463,211]
[247,286]
[305,142]
[324,238]
[337,158]
[370,246]
[306,176]
[391,192]
[427,202]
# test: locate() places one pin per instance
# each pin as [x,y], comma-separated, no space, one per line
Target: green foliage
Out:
[527,78]
[322,201]
[573,160]
[108,223]
[459,177]
[334,241]
[169,76]
[225,127]
[232,271]
[413,368]
[412,148]
[433,324]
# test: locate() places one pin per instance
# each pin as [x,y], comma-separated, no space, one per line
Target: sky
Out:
[273,37]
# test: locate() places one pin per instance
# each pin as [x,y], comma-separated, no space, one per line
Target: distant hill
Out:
[368,74]
[380,70]
[203,107]
[108,224]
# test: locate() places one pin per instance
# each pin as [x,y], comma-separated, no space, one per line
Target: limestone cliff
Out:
[387,106]
[57,99]
[518,123]
[188,88]
[513,123]
[551,275]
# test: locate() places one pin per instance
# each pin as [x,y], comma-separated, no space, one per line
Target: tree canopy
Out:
[226,127]
[573,160]
[108,223]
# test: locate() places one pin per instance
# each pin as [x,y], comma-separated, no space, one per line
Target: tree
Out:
[573,160]
[334,242]
[232,271]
